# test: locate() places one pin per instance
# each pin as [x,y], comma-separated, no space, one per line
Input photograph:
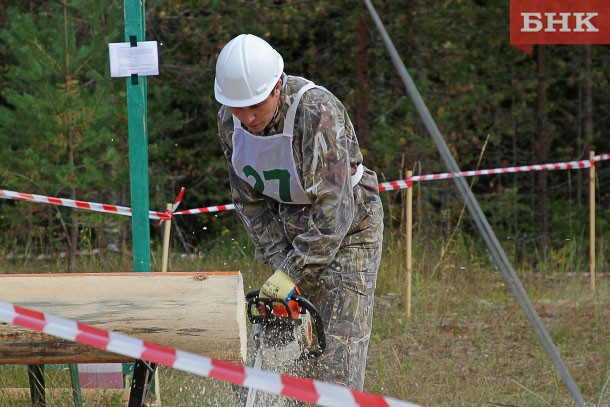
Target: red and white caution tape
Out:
[177,201]
[571,165]
[209,209]
[91,206]
[601,157]
[384,186]
[394,185]
[312,391]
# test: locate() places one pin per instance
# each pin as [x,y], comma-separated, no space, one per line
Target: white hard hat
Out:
[246,71]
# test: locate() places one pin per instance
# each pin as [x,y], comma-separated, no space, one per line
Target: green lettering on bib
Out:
[259,185]
[282,176]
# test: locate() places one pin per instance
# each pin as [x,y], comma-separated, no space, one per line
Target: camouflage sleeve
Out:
[258,213]
[326,137]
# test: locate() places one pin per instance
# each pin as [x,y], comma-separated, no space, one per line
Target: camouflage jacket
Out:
[303,239]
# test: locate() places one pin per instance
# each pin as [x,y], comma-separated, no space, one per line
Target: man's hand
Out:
[279,285]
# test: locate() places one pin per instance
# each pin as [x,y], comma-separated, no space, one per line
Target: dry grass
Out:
[467,343]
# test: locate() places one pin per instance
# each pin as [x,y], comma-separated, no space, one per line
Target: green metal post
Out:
[76,389]
[138,142]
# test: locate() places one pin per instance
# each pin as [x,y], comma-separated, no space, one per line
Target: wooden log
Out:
[199,312]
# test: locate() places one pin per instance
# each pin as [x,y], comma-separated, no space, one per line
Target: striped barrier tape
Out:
[92,206]
[209,209]
[177,201]
[395,185]
[384,186]
[311,391]
[570,165]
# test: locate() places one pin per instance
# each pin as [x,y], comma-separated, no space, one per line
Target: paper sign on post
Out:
[126,60]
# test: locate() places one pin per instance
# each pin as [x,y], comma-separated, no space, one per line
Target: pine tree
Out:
[62,116]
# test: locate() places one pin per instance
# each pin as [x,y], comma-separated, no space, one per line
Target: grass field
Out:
[467,343]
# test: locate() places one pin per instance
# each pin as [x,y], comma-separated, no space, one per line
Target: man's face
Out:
[258,116]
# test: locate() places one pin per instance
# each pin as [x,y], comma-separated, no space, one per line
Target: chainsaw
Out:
[280,323]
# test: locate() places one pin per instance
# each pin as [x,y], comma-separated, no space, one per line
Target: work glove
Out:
[279,285]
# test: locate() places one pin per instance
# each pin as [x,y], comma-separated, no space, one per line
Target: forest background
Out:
[63,120]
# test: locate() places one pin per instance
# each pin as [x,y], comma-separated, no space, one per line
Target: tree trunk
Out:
[541,152]
[361,63]
[588,100]
[588,103]
[73,241]
[514,160]
[70,118]
[585,121]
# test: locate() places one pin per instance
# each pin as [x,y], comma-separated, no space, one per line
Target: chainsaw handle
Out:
[261,307]
[253,300]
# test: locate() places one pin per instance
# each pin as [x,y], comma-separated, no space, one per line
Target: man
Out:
[308,203]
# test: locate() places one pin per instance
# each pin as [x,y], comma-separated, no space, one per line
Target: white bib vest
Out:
[267,163]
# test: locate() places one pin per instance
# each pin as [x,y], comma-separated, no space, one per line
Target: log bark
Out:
[199,312]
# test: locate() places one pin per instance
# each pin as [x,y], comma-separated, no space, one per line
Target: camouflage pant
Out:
[344,297]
